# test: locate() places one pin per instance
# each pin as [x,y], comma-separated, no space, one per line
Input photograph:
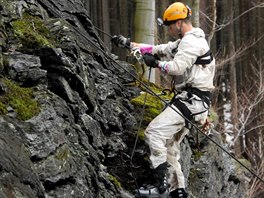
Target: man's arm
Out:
[183,59]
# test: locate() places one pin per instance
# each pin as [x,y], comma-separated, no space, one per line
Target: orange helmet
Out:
[175,12]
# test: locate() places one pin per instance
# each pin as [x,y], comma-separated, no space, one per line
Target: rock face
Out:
[213,173]
[79,144]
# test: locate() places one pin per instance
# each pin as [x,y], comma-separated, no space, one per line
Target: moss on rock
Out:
[2,108]
[197,154]
[115,181]
[32,33]
[63,154]
[20,99]
[153,107]
[141,134]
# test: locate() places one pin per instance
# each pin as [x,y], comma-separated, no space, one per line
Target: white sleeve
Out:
[165,49]
[183,59]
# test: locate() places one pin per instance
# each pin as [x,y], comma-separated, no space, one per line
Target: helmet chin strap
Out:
[180,34]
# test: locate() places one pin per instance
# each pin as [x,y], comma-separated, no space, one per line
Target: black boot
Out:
[159,189]
[179,193]
[160,177]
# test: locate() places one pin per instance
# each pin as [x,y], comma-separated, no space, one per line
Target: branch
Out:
[213,20]
[249,105]
[252,129]
[222,26]
[238,53]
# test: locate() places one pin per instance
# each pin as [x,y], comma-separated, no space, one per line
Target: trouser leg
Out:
[175,174]
[159,131]
[160,136]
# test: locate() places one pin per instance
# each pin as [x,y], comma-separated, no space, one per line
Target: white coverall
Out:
[167,130]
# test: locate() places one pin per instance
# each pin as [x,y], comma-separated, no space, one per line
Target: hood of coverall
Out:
[198,32]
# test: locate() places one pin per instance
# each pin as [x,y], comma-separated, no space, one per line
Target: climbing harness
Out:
[204,96]
[166,103]
[205,59]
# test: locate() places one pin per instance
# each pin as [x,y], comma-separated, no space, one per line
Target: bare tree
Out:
[249,101]
[232,77]
[213,20]
[256,186]
[228,21]
[250,125]
[238,53]
[195,6]
[144,23]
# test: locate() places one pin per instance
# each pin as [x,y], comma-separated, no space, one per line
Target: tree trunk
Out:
[213,18]
[144,24]
[195,7]
[162,32]
[232,79]
[195,13]
[106,22]
[162,36]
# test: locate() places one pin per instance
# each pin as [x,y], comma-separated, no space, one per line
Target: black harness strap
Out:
[184,110]
[205,97]
[205,59]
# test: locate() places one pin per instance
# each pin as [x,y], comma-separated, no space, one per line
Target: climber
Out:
[190,62]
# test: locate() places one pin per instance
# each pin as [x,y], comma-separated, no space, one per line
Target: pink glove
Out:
[144,48]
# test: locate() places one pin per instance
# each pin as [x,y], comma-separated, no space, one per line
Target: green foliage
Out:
[115,181]
[32,33]
[20,99]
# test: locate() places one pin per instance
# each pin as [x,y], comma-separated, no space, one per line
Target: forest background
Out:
[234,30]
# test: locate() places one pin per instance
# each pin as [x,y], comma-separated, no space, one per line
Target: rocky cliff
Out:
[66,119]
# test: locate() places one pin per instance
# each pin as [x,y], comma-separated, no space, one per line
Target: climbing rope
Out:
[141,119]
[103,32]
[136,140]
[166,103]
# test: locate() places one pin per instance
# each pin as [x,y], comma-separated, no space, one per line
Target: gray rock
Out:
[213,173]
[25,68]
[18,177]
[80,144]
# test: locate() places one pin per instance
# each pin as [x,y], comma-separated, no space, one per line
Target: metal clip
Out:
[138,55]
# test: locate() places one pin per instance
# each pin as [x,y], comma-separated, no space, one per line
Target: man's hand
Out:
[150,60]
[121,41]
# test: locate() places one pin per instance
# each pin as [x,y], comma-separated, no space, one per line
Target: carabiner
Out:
[138,55]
